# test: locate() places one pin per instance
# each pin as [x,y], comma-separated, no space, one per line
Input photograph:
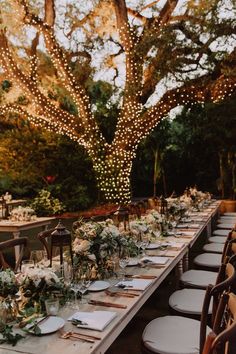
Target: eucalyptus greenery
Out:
[8,336]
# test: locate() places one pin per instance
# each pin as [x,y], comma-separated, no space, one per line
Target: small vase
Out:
[8,309]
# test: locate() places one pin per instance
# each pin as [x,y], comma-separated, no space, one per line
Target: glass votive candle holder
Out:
[52,307]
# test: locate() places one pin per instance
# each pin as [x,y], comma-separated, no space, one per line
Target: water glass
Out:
[26,265]
[52,307]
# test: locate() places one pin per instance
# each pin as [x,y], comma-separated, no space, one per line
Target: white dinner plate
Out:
[50,325]
[99,285]
[133,262]
[153,246]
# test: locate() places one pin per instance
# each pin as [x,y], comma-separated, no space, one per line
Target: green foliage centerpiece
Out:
[37,285]
[96,246]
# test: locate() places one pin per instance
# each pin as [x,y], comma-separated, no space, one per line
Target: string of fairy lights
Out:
[112,162]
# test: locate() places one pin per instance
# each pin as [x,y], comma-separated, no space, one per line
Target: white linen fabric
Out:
[213,247]
[212,260]
[172,335]
[135,284]
[97,320]
[198,278]
[226,225]
[155,260]
[221,232]
[217,239]
[188,301]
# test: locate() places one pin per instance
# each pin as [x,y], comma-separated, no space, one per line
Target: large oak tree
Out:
[158,54]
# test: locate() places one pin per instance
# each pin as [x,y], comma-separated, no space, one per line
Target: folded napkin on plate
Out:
[176,245]
[97,320]
[194,226]
[154,260]
[186,233]
[182,226]
[135,284]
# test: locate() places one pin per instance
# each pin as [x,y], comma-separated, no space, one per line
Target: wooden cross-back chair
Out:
[43,237]
[21,242]
[222,339]
[176,334]
[52,239]
[134,210]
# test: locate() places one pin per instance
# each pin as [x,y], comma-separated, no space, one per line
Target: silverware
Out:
[106,304]
[68,335]
[34,322]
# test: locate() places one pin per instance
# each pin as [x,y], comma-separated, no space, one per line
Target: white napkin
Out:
[187,233]
[195,226]
[176,245]
[154,260]
[135,284]
[97,320]
[182,226]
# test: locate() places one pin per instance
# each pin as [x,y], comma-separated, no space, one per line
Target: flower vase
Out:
[8,309]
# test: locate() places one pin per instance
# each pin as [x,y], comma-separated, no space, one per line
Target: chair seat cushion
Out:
[227,219]
[217,239]
[212,260]
[172,335]
[226,226]
[213,247]
[198,278]
[188,301]
[219,232]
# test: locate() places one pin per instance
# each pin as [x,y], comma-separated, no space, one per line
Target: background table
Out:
[15,227]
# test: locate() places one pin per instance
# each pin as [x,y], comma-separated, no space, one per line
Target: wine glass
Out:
[123,262]
[83,288]
[75,288]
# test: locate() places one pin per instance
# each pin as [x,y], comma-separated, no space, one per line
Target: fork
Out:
[69,334]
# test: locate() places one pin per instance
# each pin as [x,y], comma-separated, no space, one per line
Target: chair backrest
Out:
[222,339]
[121,216]
[22,242]
[134,210]
[43,237]
[215,292]
[59,238]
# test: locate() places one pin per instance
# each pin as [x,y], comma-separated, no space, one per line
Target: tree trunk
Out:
[222,184]
[155,173]
[113,176]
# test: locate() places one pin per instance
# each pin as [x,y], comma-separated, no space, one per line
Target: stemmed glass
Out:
[84,283]
[83,287]
[123,262]
[142,243]
[74,286]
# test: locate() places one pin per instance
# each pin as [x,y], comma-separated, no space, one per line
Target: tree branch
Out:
[207,88]
[60,62]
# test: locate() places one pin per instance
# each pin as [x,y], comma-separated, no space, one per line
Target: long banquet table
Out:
[53,344]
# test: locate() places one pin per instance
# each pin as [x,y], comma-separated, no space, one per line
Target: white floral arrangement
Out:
[139,226]
[8,283]
[22,214]
[36,275]
[38,284]
[177,206]
[195,198]
[96,244]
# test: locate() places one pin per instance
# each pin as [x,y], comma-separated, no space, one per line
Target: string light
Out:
[112,162]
